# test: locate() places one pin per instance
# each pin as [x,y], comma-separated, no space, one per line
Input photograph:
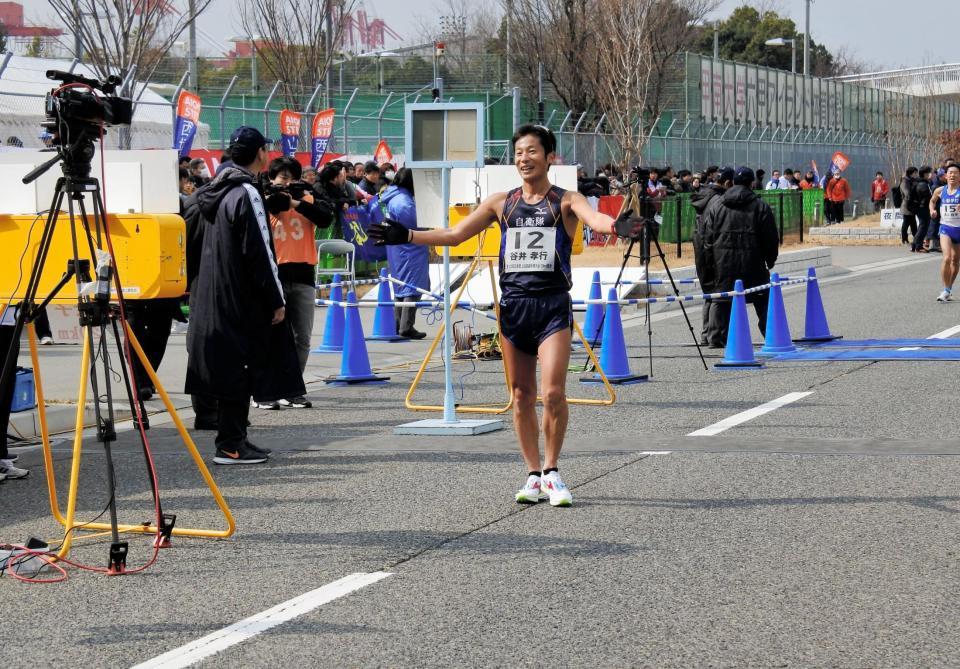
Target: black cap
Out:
[371,166]
[744,176]
[246,137]
[726,174]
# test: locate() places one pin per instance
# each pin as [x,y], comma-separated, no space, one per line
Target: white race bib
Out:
[530,249]
[950,214]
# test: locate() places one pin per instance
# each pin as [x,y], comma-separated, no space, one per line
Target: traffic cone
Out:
[815,328]
[778,330]
[355,363]
[384,322]
[739,351]
[613,356]
[593,321]
[333,329]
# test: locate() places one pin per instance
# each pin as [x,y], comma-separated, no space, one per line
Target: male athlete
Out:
[948,211]
[537,224]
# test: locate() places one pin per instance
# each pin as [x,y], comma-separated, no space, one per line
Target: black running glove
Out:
[388,232]
[627,225]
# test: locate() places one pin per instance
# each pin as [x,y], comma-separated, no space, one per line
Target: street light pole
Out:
[192,36]
[793,56]
[806,44]
[253,65]
[509,26]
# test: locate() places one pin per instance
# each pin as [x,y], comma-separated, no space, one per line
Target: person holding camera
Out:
[235,299]
[294,212]
[537,224]
[740,241]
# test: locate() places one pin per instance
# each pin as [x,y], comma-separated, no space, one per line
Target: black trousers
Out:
[150,321]
[6,383]
[909,223]
[720,315]
[232,422]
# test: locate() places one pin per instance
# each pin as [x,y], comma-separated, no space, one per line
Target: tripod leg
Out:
[676,292]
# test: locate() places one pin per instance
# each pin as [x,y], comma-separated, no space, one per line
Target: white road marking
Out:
[946,334]
[749,414]
[655,452]
[261,622]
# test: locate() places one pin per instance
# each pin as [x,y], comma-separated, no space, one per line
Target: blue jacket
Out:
[408,262]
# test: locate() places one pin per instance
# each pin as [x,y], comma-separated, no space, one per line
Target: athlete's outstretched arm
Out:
[934,201]
[594,220]
[475,223]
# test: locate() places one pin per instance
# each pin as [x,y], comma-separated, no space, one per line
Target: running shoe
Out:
[10,472]
[299,402]
[530,493]
[240,454]
[46,341]
[945,296]
[556,489]
[257,449]
[270,406]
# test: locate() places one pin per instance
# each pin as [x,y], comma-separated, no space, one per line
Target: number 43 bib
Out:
[530,249]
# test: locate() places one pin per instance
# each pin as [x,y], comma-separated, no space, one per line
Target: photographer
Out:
[236,298]
[294,212]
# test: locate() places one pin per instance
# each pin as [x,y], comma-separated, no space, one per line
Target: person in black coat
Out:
[236,300]
[706,273]
[740,241]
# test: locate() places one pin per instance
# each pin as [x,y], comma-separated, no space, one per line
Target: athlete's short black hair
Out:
[953,166]
[547,139]
[285,164]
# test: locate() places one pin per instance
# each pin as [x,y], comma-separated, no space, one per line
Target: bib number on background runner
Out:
[530,249]
[950,214]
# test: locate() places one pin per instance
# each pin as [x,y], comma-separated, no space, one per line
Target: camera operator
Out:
[294,212]
[707,272]
[236,298]
[740,241]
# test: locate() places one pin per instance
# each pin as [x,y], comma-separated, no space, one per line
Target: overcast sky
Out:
[885,33]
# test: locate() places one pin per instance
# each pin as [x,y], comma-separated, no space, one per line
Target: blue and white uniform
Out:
[535,275]
[950,214]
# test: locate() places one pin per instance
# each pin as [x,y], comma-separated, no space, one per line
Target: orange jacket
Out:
[879,189]
[293,237]
[838,190]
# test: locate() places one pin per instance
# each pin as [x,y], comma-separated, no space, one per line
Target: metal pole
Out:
[223,115]
[6,59]
[192,38]
[316,92]
[346,121]
[509,30]
[253,66]
[449,405]
[266,108]
[806,43]
[793,59]
[380,116]
[516,107]
[716,41]
[329,48]
[540,93]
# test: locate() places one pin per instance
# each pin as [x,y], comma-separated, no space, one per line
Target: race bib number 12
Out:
[530,249]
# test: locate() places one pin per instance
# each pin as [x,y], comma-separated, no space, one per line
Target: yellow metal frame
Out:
[496,408]
[68,521]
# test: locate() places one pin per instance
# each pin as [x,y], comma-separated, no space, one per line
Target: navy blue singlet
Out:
[534,246]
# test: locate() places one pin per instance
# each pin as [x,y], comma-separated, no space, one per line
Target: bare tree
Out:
[465,27]
[292,40]
[122,36]
[642,42]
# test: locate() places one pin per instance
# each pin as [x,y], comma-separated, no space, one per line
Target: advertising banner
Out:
[320,133]
[383,154]
[289,132]
[188,117]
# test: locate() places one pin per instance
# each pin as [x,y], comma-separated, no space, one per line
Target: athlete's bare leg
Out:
[523,381]
[951,261]
[554,360]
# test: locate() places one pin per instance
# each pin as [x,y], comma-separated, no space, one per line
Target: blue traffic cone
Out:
[384,322]
[777,338]
[815,328]
[355,363]
[333,329]
[739,351]
[613,356]
[593,321]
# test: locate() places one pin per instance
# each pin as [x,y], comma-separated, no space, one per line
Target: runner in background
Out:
[945,207]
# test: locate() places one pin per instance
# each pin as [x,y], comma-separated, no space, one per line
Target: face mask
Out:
[389,175]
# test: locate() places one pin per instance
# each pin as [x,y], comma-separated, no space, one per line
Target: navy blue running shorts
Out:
[528,321]
[951,232]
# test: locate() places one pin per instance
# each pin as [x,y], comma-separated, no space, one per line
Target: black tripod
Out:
[649,234]
[95,312]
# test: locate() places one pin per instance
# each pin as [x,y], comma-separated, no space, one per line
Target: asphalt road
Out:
[822,533]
